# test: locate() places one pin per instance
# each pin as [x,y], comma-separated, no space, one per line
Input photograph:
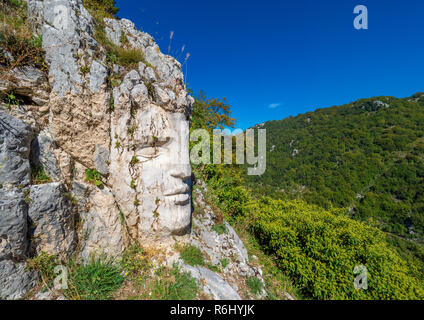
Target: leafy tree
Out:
[211,113]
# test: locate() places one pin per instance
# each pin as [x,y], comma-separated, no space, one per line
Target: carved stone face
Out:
[150,171]
[162,171]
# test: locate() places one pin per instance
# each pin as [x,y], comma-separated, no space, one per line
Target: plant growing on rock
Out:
[17,38]
[132,184]
[192,255]
[11,100]
[173,284]
[39,176]
[255,285]
[94,177]
[219,228]
[97,280]
[133,161]
[44,264]
[224,262]
[84,70]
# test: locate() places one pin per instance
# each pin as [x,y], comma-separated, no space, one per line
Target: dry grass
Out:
[17,38]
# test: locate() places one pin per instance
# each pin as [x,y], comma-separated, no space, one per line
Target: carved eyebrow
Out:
[151,141]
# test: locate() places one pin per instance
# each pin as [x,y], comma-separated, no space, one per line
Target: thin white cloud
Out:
[274,105]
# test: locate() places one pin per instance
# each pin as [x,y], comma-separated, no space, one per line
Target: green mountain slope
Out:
[367,156]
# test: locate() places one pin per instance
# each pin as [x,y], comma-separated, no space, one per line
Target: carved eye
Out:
[152,147]
[149,152]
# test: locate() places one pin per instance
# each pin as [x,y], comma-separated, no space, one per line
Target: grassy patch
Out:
[255,285]
[44,264]
[220,228]
[39,176]
[123,55]
[103,8]
[173,284]
[97,280]
[85,70]
[135,261]
[224,262]
[192,255]
[17,38]
[213,267]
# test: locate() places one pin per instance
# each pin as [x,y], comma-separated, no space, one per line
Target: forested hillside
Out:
[313,250]
[366,156]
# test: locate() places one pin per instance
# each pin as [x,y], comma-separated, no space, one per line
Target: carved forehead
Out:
[153,121]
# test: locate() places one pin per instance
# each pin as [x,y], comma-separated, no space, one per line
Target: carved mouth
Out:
[182,189]
[179,195]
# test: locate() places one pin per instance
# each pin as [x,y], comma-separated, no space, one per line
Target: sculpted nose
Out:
[182,172]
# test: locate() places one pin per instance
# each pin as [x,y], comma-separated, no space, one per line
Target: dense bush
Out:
[320,249]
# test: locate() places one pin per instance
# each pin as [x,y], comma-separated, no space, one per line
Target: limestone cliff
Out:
[112,139]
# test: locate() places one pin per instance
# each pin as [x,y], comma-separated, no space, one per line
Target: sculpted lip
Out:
[177,191]
[179,195]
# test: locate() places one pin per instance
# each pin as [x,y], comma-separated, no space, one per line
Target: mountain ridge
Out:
[348,155]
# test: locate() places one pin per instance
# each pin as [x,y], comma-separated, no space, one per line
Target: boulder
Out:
[43,154]
[13,225]
[102,232]
[15,141]
[212,283]
[51,228]
[15,281]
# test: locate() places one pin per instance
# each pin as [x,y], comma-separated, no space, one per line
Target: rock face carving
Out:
[134,134]
[155,186]
[140,147]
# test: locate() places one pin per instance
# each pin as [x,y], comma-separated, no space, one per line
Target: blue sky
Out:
[272,59]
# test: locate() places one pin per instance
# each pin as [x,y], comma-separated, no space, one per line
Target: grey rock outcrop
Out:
[15,142]
[217,247]
[15,281]
[102,229]
[28,82]
[43,155]
[13,225]
[51,228]
[212,283]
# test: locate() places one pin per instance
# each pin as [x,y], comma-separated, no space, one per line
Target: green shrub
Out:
[96,280]
[320,249]
[192,255]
